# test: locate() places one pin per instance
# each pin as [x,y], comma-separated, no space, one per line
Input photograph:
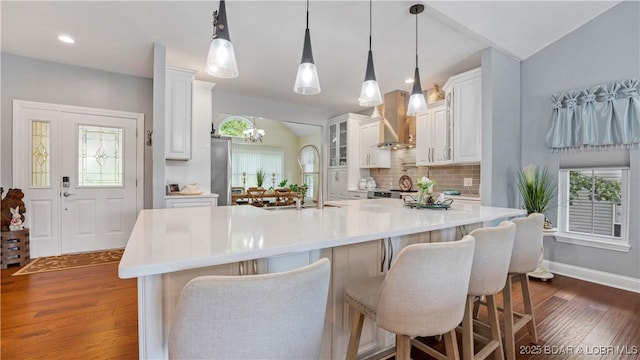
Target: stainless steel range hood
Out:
[398,129]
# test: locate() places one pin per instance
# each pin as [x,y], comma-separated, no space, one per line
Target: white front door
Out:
[99,205]
[78,169]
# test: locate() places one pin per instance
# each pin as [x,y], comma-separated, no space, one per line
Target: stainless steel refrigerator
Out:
[221,168]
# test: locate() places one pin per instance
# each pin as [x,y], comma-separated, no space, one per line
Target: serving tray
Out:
[446,204]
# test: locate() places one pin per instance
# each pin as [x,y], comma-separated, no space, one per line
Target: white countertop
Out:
[168,240]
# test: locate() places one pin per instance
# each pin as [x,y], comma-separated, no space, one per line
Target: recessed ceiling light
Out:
[66,39]
[408,81]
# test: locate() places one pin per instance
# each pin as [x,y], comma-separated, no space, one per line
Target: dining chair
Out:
[256,196]
[283,197]
[270,316]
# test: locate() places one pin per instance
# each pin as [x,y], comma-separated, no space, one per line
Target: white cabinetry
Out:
[353,263]
[371,156]
[180,201]
[337,184]
[178,98]
[433,143]
[349,264]
[357,194]
[343,170]
[338,143]
[464,108]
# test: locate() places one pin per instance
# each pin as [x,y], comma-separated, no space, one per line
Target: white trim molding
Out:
[594,276]
[593,241]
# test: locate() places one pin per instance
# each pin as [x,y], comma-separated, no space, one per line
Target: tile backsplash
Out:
[444,176]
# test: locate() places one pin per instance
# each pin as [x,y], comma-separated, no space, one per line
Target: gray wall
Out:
[42,81]
[500,128]
[603,50]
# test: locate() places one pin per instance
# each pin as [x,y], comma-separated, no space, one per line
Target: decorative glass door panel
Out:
[100,156]
[343,144]
[40,151]
[333,145]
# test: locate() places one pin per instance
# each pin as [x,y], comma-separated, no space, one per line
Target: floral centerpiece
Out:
[426,186]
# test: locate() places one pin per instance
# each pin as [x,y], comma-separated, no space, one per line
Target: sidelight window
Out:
[40,154]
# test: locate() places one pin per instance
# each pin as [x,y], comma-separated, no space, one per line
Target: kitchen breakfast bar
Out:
[169,247]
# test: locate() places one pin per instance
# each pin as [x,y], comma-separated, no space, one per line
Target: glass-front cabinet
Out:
[338,144]
[343,170]
[333,145]
[342,160]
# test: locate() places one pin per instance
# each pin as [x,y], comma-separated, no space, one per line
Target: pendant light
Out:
[307,82]
[221,61]
[370,93]
[416,100]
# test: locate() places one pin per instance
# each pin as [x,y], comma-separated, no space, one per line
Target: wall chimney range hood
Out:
[397,131]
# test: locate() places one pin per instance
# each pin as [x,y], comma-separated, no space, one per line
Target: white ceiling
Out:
[118,36]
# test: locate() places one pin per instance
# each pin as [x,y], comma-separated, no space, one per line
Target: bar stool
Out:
[524,259]
[423,294]
[488,274]
[271,316]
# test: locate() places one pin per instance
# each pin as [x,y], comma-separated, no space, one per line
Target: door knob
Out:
[66,194]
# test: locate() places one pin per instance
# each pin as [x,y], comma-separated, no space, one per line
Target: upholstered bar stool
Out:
[272,316]
[524,259]
[488,275]
[423,294]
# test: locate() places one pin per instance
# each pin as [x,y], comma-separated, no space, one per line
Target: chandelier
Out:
[253,134]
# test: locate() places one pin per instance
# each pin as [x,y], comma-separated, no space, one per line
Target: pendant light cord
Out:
[416,40]
[307,14]
[370,24]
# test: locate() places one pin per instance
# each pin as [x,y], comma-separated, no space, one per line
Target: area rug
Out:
[71,261]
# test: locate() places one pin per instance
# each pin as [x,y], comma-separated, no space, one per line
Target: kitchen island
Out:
[168,247]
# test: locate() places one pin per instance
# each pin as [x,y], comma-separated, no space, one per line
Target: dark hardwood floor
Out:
[575,320]
[90,313]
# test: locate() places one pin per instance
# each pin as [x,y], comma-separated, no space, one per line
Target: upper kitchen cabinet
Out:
[464,109]
[338,143]
[433,142]
[343,143]
[371,156]
[179,87]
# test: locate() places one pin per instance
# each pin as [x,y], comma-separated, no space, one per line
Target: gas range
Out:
[382,194]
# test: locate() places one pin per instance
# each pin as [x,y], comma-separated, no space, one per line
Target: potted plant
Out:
[259,178]
[537,188]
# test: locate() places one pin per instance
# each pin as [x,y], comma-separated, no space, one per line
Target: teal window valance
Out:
[601,117]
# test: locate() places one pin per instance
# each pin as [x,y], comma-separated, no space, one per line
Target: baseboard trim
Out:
[594,276]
